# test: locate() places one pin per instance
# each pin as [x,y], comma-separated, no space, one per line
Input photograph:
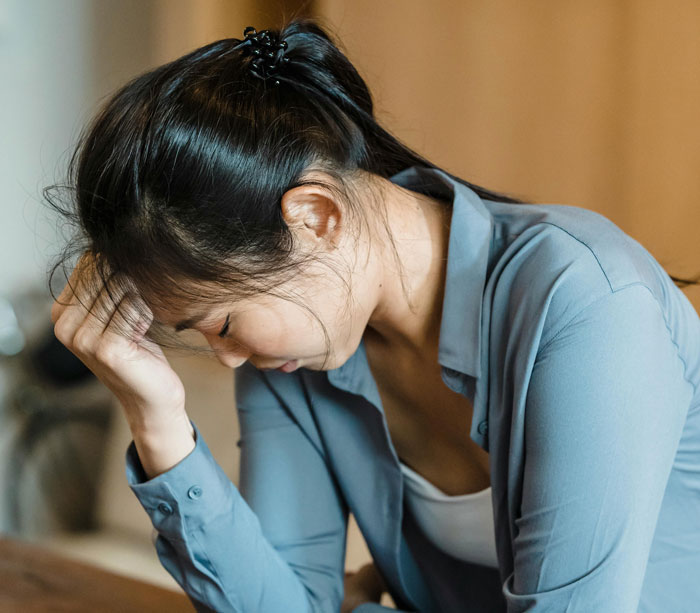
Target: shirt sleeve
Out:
[278,544]
[604,413]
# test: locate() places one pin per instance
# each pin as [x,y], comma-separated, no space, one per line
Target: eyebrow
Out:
[188,323]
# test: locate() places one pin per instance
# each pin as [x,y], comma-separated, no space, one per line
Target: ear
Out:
[313,213]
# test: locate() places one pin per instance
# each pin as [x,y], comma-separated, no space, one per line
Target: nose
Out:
[231,357]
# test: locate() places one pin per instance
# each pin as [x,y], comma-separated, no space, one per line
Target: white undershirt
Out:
[461,526]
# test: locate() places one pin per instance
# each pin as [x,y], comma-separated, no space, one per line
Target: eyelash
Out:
[223,331]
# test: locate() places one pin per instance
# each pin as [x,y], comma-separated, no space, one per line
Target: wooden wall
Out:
[183,25]
[587,103]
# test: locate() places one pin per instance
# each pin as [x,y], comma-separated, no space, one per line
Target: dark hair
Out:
[177,181]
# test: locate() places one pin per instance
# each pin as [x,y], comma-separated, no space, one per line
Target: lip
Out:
[290,366]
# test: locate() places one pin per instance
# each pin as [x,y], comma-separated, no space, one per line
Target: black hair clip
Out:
[267,52]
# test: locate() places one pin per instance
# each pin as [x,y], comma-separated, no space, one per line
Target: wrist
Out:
[162,445]
[144,422]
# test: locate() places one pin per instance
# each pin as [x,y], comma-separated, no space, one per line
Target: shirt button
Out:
[483,427]
[165,508]
[194,492]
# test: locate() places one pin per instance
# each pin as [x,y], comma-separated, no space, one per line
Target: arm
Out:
[604,413]
[293,476]
[278,544]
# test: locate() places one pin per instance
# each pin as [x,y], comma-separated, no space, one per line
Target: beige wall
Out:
[587,103]
[182,25]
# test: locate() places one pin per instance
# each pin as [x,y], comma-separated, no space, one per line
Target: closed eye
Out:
[223,330]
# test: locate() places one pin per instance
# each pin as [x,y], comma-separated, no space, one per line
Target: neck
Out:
[407,315]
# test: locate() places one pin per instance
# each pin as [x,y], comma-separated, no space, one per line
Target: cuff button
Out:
[165,508]
[194,492]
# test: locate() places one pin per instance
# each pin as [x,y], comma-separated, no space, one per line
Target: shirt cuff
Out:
[190,494]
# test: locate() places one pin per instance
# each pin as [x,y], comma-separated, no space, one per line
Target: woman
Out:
[505,395]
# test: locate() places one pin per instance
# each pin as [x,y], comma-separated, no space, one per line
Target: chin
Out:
[336,361]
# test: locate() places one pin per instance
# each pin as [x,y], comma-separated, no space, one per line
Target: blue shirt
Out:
[582,361]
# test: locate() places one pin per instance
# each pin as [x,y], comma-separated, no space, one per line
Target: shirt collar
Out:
[471,231]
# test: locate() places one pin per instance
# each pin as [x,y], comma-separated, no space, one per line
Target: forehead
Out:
[181,314]
[212,312]
[180,319]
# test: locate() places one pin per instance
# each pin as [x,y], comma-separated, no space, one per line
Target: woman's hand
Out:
[363,585]
[132,367]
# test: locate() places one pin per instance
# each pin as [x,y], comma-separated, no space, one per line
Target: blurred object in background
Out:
[12,339]
[55,418]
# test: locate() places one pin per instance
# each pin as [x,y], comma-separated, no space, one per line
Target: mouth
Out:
[290,366]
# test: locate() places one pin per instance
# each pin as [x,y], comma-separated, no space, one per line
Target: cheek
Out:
[271,333]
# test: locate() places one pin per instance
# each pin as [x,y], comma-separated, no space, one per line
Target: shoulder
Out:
[551,261]
[560,233]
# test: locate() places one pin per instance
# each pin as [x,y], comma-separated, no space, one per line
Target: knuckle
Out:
[105,354]
[82,341]
[60,333]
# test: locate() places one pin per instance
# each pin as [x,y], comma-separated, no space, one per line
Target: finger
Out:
[89,308]
[76,329]
[81,282]
[82,277]
[63,300]
[131,319]
[100,314]
[96,335]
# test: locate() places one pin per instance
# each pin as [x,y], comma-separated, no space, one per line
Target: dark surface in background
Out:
[33,579]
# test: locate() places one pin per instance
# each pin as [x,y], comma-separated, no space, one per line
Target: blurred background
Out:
[591,103]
